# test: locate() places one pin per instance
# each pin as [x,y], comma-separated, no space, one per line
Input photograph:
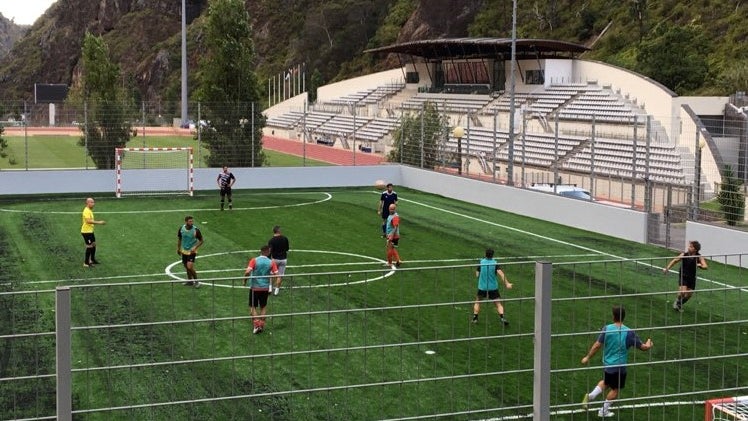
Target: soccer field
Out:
[347,338]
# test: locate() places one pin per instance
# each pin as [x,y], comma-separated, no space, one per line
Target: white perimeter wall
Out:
[602,219]
[291,104]
[629,225]
[103,181]
[718,241]
[704,105]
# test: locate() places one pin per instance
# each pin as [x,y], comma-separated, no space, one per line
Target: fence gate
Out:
[667,207]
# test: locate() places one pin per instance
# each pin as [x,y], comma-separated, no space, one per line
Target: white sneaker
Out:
[256,330]
[196,284]
[276,291]
[606,414]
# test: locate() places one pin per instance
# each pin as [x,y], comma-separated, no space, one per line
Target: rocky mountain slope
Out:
[9,34]
[329,36]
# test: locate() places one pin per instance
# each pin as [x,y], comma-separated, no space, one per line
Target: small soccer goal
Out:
[154,171]
[726,409]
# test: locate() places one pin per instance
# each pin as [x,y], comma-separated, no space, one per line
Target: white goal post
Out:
[726,409]
[154,171]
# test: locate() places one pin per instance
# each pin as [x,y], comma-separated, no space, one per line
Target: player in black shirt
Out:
[387,198]
[279,247]
[690,260]
[225,181]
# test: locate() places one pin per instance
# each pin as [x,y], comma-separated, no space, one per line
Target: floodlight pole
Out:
[510,164]
[184,63]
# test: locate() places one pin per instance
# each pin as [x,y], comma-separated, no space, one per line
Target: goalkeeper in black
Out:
[225,181]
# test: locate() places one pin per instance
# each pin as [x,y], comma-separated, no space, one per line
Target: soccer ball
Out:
[380,185]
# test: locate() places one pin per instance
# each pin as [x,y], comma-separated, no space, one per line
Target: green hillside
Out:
[692,47]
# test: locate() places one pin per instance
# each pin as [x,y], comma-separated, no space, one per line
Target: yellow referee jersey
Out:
[87,215]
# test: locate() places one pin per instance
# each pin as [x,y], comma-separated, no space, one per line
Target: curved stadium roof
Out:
[441,48]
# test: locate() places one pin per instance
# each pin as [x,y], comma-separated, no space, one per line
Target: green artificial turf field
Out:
[347,337]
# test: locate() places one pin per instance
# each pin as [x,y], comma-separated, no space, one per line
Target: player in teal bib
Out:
[257,277]
[615,339]
[189,239]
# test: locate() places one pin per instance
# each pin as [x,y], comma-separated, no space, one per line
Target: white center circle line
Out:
[169,270]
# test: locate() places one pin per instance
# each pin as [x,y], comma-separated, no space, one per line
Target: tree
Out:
[421,134]
[731,198]
[734,78]
[228,88]
[314,83]
[675,56]
[639,11]
[3,143]
[106,103]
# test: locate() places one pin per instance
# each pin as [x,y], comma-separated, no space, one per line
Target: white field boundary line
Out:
[555,240]
[594,410]
[327,196]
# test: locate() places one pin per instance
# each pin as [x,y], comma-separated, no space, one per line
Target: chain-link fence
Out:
[675,168]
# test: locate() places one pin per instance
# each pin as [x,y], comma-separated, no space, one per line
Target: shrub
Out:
[731,198]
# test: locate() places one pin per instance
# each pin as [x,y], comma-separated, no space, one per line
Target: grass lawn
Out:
[347,337]
[43,151]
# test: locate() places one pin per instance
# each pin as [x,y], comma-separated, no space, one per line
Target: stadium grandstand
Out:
[572,118]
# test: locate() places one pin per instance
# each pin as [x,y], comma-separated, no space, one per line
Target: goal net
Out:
[724,409]
[143,171]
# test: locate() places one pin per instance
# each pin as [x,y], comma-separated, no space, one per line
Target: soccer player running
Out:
[615,339]
[689,260]
[225,181]
[257,278]
[392,233]
[279,247]
[87,231]
[387,198]
[488,285]
[189,239]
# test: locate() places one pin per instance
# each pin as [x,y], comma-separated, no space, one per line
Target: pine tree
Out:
[107,105]
[421,134]
[731,198]
[228,88]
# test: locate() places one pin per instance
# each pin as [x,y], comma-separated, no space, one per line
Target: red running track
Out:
[322,153]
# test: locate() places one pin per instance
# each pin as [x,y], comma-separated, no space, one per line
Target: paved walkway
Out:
[322,153]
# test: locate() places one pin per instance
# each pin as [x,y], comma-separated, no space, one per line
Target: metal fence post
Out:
[423,111]
[495,149]
[26,137]
[633,164]
[85,133]
[63,354]
[199,138]
[541,386]
[253,134]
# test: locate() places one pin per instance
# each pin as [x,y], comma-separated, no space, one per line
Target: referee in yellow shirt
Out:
[87,231]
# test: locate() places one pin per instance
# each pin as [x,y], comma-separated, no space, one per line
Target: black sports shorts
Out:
[88,238]
[492,294]
[258,297]
[615,379]
[188,258]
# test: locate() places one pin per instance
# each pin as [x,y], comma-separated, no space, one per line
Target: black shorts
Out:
[615,378]
[88,238]
[258,297]
[188,258]
[225,191]
[492,294]
[687,282]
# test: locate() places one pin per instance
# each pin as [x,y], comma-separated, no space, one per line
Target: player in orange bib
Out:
[393,236]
